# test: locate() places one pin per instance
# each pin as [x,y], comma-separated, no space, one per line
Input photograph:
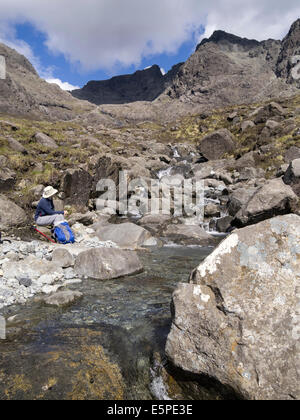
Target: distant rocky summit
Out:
[225,69]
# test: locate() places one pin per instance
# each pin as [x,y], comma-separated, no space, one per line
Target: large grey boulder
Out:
[248,160]
[45,141]
[107,263]
[239,198]
[125,235]
[292,176]
[237,321]
[215,145]
[272,199]
[188,235]
[11,215]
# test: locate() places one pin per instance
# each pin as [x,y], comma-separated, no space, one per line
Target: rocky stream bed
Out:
[108,345]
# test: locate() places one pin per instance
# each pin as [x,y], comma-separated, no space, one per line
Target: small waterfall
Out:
[176,154]
[164,172]
[157,386]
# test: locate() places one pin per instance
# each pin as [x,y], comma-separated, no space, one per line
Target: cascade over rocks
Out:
[237,322]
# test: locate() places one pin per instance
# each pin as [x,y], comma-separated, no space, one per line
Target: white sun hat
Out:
[49,192]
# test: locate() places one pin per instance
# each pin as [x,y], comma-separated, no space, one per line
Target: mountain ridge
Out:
[250,68]
[224,70]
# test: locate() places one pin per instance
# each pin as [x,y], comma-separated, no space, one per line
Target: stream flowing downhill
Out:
[102,347]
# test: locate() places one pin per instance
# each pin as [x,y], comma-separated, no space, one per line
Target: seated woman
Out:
[45,213]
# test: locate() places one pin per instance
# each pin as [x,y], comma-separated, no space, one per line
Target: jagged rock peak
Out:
[16,61]
[222,36]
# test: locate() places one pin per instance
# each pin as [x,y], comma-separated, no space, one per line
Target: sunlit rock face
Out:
[237,322]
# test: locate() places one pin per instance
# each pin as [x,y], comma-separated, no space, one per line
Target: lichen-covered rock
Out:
[107,263]
[238,321]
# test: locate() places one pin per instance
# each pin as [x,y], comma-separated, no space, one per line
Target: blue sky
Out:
[74,41]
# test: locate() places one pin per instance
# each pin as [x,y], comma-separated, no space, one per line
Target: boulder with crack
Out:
[238,321]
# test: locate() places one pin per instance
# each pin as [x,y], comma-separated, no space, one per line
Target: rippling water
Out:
[101,347]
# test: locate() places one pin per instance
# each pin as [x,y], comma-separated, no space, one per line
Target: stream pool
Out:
[101,347]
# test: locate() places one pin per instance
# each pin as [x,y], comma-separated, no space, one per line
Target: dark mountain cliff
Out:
[225,69]
[143,85]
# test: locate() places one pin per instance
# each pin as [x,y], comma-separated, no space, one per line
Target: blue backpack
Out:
[63,234]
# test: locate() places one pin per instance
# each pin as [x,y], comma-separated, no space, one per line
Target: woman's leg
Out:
[55,220]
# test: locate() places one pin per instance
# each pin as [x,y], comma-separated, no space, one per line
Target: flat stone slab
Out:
[63,298]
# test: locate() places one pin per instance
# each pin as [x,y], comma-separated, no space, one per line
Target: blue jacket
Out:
[46,208]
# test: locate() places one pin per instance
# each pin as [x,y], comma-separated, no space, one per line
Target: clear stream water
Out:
[102,346]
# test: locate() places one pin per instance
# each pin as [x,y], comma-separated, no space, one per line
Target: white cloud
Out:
[62,85]
[111,33]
